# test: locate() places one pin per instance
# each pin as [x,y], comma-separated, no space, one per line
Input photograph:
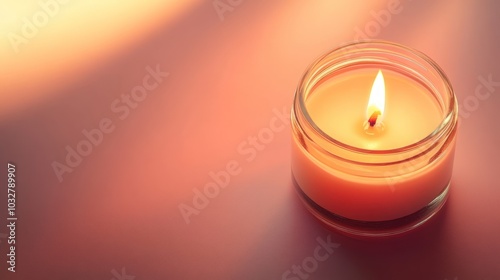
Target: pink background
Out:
[120,207]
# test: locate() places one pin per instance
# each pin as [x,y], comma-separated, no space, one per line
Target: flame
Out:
[376,103]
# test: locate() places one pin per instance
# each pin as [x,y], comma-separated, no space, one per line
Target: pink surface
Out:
[221,108]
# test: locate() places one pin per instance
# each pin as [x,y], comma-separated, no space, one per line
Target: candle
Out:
[374,127]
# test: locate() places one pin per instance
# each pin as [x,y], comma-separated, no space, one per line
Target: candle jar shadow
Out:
[391,257]
[417,254]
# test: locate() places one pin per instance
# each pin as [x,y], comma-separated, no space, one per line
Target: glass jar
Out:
[367,191]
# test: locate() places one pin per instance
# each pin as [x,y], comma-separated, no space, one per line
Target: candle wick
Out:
[373,118]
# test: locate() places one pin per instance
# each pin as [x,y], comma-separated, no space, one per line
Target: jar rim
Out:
[450,117]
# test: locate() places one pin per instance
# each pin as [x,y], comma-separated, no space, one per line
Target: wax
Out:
[370,199]
[338,107]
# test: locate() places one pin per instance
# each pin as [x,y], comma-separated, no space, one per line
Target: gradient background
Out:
[119,207]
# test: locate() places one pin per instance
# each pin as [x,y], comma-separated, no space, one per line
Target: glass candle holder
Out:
[381,182]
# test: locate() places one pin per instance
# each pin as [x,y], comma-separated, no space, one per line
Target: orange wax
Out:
[338,106]
[370,199]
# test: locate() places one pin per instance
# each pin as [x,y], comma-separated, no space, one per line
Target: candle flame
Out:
[376,103]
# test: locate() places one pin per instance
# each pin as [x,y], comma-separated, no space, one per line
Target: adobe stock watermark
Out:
[310,264]
[482,92]
[121,276]
[223,6]
[31,26]
[379,20]
[405,167]
[121,108]
[249,149]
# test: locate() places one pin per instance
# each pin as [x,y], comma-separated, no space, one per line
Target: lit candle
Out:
[338,107]
[374,127]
